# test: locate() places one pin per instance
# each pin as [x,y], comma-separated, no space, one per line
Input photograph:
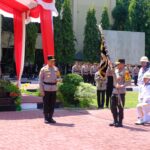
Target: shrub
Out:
[14,92]
[73,78]
[85,94]
[68,91]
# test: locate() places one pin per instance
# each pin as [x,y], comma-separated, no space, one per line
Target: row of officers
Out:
[88,70]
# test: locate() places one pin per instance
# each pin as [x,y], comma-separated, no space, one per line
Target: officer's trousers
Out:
[117,107]
[49,101]
[109,89]
[100,98]
[143,110]
[85,78]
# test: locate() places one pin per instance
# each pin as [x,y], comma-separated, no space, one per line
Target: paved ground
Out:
[75,130]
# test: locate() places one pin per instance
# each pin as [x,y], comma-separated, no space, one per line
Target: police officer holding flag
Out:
[121,79]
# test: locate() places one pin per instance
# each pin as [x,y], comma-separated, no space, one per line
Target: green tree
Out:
[139,17]
[105,19]
[91,50]
[58,32]
[120,15]
[67,52]
[31,36]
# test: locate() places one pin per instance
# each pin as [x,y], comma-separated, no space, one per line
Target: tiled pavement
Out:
[75,130]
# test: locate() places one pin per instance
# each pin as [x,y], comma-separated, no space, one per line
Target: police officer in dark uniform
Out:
[121,79]
[48,78]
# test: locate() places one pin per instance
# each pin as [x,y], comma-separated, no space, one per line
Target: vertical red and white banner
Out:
[19,42]
[0,44]
[47,33]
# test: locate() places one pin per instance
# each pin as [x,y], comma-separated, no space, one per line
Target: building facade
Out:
[79,13]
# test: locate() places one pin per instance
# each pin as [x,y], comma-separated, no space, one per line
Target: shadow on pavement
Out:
[36,114]
[135,128]
[63,124]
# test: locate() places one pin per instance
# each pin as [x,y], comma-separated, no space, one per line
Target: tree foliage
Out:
[58,32]
[120,15]
[67,52]
[91,50]
[105,19]
[133,15]
[31,36]
[139,17]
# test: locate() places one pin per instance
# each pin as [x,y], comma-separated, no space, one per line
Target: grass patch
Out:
[30,93]
[131,100]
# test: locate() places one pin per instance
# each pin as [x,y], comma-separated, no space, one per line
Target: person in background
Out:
[75,68]
[85,72]
[135,74]
[109,85]
[93,70]
[101,89]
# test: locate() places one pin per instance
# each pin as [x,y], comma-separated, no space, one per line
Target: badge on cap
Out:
[49,57]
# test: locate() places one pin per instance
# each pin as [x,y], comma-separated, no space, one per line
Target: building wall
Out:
[127,45]
[120,44]
[79,13]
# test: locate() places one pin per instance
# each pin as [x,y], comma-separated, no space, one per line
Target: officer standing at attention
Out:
[121,78]
[48,78]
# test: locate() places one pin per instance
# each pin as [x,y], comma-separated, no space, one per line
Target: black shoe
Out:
[119,125]
[46,118]
[52,121]
[113,124]
[46,121]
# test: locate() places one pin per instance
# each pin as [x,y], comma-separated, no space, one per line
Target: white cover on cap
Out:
[144,59]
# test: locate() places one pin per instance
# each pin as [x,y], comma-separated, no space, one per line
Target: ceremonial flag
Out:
[104,55]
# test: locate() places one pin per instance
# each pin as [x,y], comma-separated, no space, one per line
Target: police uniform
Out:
[48,78]
[118,94]
[101,88]
[93,70]
[85,72]
[135,74]
[76,69]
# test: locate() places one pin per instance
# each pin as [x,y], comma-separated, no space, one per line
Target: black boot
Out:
[119,124]
[50,119]
[114,123]
[46,118]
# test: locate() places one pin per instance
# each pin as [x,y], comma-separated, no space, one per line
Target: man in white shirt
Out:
[144,106]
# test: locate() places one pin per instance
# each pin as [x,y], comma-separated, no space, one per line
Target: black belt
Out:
[49,83]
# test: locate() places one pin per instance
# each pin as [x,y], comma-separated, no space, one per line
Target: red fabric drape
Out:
[15,8]
[18,38]
[9,5]
[48,1]
[47,33]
